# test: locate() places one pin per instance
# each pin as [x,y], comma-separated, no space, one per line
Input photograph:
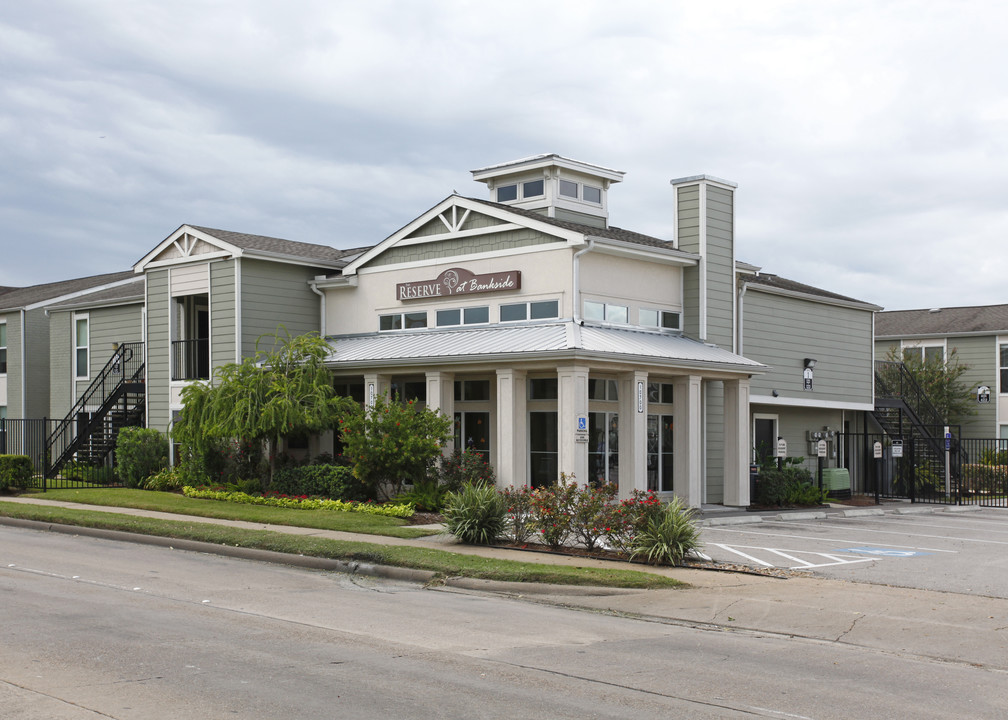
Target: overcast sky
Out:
[868,139]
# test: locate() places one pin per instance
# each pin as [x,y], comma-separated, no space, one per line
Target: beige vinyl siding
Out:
[274,294]
[981,355]
[494,242]
[720,268]
[60,364]
[781,332]
[222,313]
[158,349]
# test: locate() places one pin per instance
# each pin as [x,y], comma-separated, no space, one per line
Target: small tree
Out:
[391,443]
[941,381]
[262,399]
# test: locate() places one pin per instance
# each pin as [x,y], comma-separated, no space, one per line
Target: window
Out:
[3,348]
[539,310]
[602,389]
[533,188]
[402,321]
[1004,369]
[542,388]
[80,347]
[605,312]
[352,390]
[924,353]
[659,393]
[569,189]
[659,453]
[472,390]
[506,193]
[603,448]
[592,194]
[664,319]
[463,316]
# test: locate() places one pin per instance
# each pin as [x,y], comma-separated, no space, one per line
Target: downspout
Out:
[739,346]
[314,288]
[578,320]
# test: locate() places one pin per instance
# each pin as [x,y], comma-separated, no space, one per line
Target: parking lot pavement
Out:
[953,551]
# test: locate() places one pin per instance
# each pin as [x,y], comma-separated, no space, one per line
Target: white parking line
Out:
[791,555]
[818,538]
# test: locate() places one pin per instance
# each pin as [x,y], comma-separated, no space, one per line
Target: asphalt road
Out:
[961,552]
[101,629]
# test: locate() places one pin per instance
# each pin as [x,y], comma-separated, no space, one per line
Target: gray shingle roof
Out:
[942,321]
[775,281]
[128,292]
[34,294]
[279,246]
[612,233]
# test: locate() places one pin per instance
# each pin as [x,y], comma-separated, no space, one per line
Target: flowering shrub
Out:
[628,518]
[519,513]
[300,503]
[465,466]
[553,509]
[592,513]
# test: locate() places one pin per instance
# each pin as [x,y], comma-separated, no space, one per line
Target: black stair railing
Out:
[121,378]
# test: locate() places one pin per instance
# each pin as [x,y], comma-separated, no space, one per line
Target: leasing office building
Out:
[557,342]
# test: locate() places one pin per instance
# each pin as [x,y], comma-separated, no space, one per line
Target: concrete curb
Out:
[315,563]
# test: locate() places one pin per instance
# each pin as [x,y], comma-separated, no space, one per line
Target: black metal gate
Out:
[970,471]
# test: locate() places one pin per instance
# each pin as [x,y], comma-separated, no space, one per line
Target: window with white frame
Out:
[606,312]
[663,319]
[1003,369]
[402,321]
[523,190]
[81,346]
[3,348]
[463,316]
[924,353]
[536,310]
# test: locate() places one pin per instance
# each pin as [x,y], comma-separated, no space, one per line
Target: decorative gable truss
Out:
[461,227]
[187,244]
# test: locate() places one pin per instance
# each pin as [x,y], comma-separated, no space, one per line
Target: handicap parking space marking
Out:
[753,554]
[883,552]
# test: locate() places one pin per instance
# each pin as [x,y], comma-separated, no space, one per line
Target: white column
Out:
[512,434]
[633,412]
[687,440]
[736,438]
[375,384]
[441,396]
[572,403]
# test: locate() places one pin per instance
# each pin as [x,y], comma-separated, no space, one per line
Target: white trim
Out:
[70,296]
[238,311]
[804,403]
[75,318]
[210,334]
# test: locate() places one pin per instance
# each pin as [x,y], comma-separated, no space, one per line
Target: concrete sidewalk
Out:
[951,627]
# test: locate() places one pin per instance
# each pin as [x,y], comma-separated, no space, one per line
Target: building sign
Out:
[897,448]
[581,430]
[821,449]
[781,448]
[983,394]
[458,281]
[807,379]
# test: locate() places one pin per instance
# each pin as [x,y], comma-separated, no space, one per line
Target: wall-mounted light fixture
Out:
[810,363]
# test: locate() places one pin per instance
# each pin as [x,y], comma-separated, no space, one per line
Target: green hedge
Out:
[329,481]
[15,471]
[140,453]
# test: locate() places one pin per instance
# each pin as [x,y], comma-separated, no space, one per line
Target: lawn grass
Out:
[442,562]
[182,505]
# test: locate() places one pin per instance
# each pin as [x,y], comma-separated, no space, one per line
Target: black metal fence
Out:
[973,471]
[29,438]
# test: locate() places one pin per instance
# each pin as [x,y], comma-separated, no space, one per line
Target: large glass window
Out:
[472,432]
[80,347]
[533,188]
[606,312]
[472,390]
[664,319]
[603,448]
[542,389]
[3,348]
[538,310]
[506,193]
[402,321]
[463,316]
[659,453]
[569,189]
[543,458]
[592,194]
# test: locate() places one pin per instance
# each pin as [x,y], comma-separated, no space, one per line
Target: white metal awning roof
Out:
[533,341]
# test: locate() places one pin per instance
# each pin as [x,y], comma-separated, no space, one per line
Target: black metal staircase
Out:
[116,399]
[903,410]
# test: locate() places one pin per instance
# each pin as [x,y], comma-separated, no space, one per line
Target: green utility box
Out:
[836,480]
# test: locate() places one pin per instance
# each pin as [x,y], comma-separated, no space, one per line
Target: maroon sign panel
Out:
[458,281]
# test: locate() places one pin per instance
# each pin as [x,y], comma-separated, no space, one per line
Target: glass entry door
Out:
[543,456]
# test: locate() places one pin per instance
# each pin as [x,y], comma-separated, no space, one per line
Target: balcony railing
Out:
[190,359]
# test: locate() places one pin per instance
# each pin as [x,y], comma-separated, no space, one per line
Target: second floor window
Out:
[402,321]
[80,347]
[3,348]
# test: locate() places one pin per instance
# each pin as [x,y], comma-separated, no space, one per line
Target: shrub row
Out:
[15,471]
[300,503]
[791,485]
[565,515]
[985,478]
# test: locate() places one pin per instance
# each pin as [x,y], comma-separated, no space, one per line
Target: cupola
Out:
[555,186]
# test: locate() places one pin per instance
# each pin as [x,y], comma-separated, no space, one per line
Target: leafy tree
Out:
[392,442]
[257,402]
[941,381]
